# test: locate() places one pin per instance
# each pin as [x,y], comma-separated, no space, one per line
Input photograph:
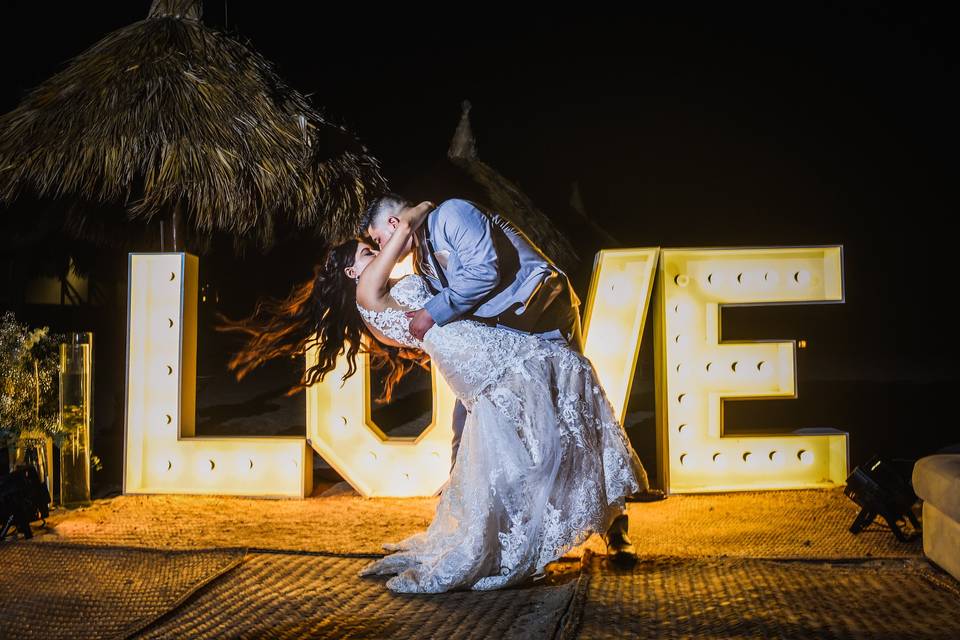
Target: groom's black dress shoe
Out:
[648,495]
[620,549]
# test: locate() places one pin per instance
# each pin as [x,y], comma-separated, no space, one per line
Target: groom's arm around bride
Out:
[490,271]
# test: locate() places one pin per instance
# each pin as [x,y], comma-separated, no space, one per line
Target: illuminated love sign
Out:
[696,371]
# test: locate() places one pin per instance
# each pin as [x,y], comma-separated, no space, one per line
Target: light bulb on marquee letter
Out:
[724,370]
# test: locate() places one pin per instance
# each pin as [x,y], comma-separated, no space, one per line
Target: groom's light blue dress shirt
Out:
[480,281]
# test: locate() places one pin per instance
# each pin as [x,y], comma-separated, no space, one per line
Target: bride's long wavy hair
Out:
[321,311]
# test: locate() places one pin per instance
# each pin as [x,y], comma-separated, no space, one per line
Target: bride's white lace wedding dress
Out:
[543,462]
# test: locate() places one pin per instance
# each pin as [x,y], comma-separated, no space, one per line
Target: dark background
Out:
[703,128]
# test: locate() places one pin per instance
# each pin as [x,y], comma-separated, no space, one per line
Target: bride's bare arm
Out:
[374,282]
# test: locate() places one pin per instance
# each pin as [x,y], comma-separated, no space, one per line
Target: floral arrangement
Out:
[29,378]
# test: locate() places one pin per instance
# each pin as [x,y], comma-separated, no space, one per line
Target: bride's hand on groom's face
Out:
[417,214]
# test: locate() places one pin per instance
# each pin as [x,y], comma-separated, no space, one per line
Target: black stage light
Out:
[880,489]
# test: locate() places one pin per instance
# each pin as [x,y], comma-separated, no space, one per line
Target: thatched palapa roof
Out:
[167,116]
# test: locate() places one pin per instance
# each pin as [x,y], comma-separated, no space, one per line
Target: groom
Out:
[482,267]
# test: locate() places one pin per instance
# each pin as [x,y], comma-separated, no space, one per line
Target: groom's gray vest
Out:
[485,268]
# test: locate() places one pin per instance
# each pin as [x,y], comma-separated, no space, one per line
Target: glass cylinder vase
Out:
[76,379]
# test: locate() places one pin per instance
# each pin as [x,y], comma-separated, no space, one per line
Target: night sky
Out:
[720,128]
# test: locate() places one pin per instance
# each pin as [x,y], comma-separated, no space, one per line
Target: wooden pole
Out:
[36,384]
[173,230]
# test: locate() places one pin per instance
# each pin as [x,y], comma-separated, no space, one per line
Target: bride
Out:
[543,462]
